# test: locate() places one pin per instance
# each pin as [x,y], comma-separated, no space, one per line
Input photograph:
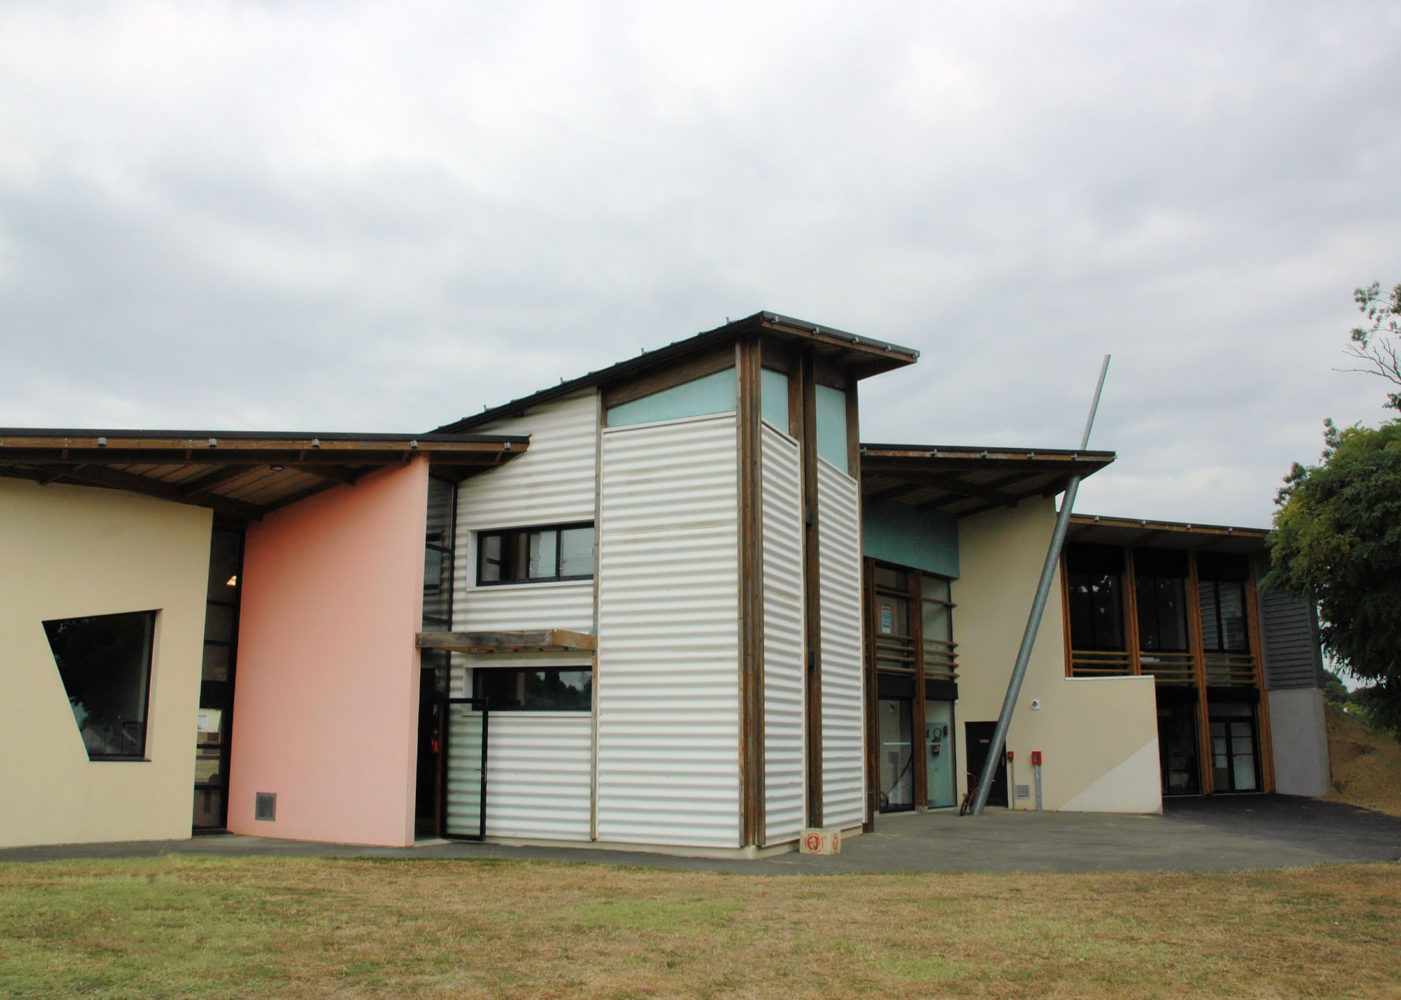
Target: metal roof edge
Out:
[676,349]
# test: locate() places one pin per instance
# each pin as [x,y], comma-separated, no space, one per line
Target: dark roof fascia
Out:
[976,452]
[202,438]
[759,322]
[1187,527]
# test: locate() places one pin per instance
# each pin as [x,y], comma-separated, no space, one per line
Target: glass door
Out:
[938,743]
[897,782]
[1234,765]
[464,776]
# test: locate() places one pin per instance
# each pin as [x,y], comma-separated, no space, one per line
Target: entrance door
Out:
[938,744]
[428,805]
[979,737]
[896,731]
[1234,760]
[1177,746]
[464,776]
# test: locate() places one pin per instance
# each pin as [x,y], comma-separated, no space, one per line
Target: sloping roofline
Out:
[963,480]
[865,357]
[242,474]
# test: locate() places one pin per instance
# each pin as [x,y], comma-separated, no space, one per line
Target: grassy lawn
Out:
[202,927]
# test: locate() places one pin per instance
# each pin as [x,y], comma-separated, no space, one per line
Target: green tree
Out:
[1337,542]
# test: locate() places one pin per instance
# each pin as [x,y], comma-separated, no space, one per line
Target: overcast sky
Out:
[381,217]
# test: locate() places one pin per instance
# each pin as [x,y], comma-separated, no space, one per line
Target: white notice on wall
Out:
[203,725]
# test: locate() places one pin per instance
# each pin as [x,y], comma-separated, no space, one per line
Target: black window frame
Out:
[485,679]
[515,549]
[75,676]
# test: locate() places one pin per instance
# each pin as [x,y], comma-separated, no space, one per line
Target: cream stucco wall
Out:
[1098,737]
[68,552]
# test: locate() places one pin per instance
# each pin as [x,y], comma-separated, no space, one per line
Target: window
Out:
[535,555]
[438,555]
[1162,601]
[1096,600]
[552,689]
[1221,596]
[105,664]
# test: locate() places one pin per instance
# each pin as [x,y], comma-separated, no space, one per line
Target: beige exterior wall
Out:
[73,551]
[1099,738]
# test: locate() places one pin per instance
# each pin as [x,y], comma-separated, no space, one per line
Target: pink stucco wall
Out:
[326,702]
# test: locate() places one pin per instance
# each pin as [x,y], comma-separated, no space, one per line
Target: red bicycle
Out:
[966,806]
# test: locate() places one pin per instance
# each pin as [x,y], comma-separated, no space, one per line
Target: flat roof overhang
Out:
[963,480]
[239,474]
[1132,532]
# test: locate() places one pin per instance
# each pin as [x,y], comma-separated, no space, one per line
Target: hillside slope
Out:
[1366,764]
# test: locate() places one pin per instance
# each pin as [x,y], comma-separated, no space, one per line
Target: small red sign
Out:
[814,842]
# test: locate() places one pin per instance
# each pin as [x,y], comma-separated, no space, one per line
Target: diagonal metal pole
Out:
[1033,622]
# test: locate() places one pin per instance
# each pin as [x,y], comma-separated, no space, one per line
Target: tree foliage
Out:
[1337,542]
[1377,345]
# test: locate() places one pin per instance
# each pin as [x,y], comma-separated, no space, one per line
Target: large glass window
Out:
[1159,586]
[105,664]
[1093,576]
[535,555]
[1221,591]
[551,689]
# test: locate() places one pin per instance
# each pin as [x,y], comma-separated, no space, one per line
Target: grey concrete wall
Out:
[1300,738]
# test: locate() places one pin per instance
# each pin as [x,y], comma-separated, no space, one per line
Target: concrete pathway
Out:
[1221,833]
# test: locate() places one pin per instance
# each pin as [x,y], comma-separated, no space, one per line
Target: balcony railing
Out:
[897,653]
[1167,668]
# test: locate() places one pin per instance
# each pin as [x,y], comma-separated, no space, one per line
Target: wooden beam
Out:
[550,640]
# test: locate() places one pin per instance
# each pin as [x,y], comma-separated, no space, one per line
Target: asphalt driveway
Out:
[1222,833]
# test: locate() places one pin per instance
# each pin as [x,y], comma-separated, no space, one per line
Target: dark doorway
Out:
[979,737]
[1177,745]
[432,692]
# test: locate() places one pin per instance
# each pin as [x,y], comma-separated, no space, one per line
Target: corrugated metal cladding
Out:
[537,775]
[839,543]
[1292,657]
[552,483]
[782,505]
[668,639]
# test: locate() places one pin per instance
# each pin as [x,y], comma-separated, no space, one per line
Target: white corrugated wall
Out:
[782,505]
[668,684]
[537,775]
[552,483]
[839,541]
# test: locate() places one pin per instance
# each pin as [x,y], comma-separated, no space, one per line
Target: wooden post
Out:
[751,593]
[812,587]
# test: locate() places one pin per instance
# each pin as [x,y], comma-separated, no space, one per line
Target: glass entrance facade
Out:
[913,677]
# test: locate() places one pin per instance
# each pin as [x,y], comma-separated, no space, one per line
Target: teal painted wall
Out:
[895,532]
[715,393]
[773,391]
[831,425]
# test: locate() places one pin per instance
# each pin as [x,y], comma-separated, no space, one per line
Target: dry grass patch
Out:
[197,927]
[1366,764]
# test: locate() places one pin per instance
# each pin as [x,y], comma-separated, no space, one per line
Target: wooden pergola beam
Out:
[550,640]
